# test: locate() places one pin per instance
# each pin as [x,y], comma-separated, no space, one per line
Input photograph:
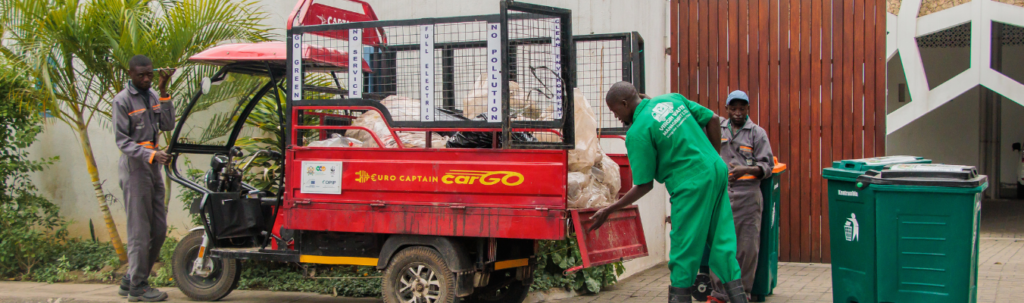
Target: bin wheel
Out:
[503,288]
[218,283]
[418,274]
[701,287]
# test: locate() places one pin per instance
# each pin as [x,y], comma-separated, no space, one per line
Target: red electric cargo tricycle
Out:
[441,223]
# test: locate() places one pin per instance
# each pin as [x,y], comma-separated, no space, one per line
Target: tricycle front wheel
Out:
[217,278]
[418,274]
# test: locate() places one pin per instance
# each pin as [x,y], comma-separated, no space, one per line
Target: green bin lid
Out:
[848,170]
[876,163]
[925,175]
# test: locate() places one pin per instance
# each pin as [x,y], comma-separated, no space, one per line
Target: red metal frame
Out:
[295,127]
[625,174]
[621,236]
[444,192]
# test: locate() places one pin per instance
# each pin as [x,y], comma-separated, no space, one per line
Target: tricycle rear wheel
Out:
[418,274]
[218,284]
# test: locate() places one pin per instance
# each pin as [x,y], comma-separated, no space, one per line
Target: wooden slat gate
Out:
[815,73]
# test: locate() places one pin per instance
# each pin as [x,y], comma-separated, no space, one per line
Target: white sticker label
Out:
[426,73]
[852,228]
[927,167]
[889,160]
[556,65]
[850,193]
[321,177]
[494,85]
[355,63]
[296,67]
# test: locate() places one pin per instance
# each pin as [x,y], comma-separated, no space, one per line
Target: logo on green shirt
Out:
[670,117]
[661,111]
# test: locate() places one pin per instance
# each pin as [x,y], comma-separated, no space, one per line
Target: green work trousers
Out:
[702,216]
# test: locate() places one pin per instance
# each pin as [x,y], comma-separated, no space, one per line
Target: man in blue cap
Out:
[748,154]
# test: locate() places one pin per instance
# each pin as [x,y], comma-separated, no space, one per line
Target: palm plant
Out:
[78,50]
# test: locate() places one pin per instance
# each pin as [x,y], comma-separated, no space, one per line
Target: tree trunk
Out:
[94,174]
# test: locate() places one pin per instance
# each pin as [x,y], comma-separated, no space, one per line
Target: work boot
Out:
[679,295]
[126,284]
[735,291]
[145,293]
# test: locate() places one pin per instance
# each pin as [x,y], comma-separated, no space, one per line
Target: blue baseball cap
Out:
[737,95]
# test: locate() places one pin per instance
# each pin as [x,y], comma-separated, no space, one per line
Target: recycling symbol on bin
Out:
[852,228]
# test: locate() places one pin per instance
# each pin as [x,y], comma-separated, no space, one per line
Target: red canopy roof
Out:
[274,52]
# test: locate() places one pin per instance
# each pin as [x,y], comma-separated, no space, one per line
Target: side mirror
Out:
[1016,146]
[205,85]
[236,152]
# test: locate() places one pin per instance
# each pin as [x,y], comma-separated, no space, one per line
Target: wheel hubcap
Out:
[419,284]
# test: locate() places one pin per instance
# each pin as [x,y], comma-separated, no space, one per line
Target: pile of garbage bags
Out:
[594,179]
[400,108]
[337,140]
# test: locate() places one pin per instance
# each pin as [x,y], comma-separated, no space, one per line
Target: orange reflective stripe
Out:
[746,148]
[151,155]
[136,111]
[165,99]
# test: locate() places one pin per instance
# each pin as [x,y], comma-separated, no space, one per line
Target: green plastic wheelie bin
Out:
[931,215]
[767,276]
[852,228]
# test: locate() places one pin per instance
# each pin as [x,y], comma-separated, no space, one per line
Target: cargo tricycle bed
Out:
[362,164]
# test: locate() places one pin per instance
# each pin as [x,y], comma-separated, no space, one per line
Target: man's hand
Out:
[732,173]
[161,157]
[737,171]
[165,77]
[599,217]
[634,194]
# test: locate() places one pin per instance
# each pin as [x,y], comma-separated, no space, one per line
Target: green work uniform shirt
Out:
[667,142]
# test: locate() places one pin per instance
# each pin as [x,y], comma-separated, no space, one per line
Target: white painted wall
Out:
[67,183]
[950,133]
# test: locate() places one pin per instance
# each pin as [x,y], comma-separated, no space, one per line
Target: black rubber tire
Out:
[515,292]
[225,278]
[411,259]
[701,287]
[1020,191]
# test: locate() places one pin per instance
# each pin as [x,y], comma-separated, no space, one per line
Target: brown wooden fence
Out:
[815,73]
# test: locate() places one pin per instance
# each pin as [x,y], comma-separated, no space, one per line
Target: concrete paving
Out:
[1000,277]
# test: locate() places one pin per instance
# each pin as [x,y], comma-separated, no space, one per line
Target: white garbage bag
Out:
[588,147]
[337,140]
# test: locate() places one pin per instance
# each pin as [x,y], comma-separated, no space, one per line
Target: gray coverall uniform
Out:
[139,117]
[748,147]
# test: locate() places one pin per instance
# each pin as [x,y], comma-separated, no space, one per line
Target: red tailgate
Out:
[621,238]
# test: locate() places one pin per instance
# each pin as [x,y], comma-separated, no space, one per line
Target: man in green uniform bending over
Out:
[675,141]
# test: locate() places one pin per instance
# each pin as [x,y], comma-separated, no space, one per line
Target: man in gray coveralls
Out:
[746,150]
[139,116]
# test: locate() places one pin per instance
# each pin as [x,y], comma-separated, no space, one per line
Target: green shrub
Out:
[29,224]
[345,281]
[555,257]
